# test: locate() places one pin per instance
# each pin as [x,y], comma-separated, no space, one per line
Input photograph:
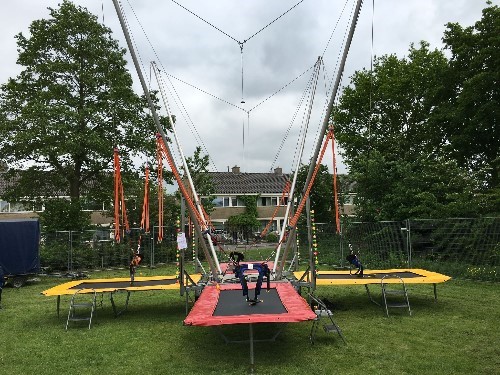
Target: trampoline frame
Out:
[116,285]
[202,313]
[374,277]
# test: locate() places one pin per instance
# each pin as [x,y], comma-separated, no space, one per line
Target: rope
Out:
[371,75]
[120,219]
[226,34]
[130,31]
[270,23]
[334,28]
[205,92]
[276,92]
[183,111]
[145,204]
[335,194]
[290,125]
[241,49]
[204,20]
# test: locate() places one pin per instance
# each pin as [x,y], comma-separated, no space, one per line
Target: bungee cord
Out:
[229,36]
[299,105]
[183,111]
[240,43]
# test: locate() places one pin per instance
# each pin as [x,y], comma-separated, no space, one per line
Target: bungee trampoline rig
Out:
[239,292]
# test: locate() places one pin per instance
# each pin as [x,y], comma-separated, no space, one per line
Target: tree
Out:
[389,125]
[472,113]
[72,103]
[202,181]
[321,195]
[388,109]
[389,189]
[63,215]
[246,221]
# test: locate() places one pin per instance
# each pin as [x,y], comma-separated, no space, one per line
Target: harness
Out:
[263,270]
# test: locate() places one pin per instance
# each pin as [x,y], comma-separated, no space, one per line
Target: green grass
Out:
[459,334]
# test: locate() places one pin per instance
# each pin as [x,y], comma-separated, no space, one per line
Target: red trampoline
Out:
[226,304]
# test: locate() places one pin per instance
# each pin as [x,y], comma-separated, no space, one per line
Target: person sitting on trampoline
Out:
[136,260]
[239,272]
[354,260]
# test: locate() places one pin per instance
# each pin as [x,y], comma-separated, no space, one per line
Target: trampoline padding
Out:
[227,305]
[111,285]
[409,276]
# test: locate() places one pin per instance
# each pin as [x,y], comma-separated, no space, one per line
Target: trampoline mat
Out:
[232,302]
[404,275]
[225,304]
[122,284]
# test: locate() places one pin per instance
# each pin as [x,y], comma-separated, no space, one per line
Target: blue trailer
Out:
[19,249]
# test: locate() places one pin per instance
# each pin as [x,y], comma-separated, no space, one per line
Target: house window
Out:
[264,201]
[228,202]
[270,201]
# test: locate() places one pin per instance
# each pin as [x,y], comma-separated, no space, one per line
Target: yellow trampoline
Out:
[408,275]
[116,285]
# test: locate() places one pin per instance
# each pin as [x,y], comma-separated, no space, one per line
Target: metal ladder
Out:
[401,292]
[80,310]
[322,311]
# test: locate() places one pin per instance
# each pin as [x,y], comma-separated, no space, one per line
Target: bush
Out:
[272,237]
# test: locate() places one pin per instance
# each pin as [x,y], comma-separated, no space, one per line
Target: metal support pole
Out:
[159,127]
[409,243]
[252,361]
[326,121]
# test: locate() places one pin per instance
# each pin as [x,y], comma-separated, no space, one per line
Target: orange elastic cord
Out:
[120,220]
[335,192]
[302,203]
[178,178]
[145,204]
[116,170]
[286,191]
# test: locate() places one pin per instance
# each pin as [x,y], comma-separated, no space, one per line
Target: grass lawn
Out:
[460,334]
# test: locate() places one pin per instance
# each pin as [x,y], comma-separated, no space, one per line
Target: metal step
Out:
[76,318]
[330,328]
[402,304]
[90,304]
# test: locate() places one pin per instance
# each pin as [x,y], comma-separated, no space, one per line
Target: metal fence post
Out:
[70,237]
[409,242]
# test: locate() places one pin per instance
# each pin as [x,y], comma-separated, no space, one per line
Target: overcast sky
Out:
[190,50]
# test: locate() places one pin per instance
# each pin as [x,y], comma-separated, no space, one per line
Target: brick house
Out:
[268,186]
[16,210]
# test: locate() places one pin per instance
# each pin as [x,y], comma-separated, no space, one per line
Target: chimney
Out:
[236,169]
[278,171]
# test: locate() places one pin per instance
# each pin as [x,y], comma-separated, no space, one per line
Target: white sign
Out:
[181,241]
